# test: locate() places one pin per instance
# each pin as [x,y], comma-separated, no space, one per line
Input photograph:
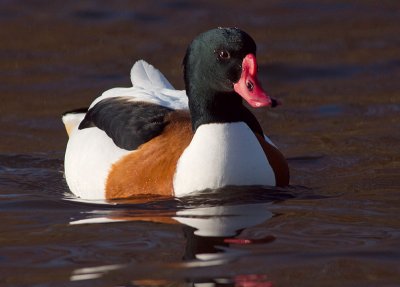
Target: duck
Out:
[151,139]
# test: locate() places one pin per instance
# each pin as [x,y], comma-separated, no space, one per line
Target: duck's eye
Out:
[224,54]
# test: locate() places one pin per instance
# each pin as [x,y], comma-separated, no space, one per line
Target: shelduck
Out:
[153,139]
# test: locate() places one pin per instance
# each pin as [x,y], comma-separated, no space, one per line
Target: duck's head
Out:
[220,65]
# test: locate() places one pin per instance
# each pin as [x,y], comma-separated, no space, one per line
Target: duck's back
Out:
[116,124]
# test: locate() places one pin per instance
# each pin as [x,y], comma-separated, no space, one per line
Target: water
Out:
[334,64]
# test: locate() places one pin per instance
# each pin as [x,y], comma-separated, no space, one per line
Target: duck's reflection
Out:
[209,231]
[212,235]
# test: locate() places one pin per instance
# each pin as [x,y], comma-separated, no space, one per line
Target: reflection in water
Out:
[212,236]
[212,232]
[92,272]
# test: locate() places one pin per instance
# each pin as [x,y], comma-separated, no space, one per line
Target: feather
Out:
[146,76]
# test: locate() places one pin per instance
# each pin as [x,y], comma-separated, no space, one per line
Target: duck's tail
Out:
[72,119]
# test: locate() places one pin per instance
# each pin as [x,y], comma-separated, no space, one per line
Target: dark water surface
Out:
[334,64]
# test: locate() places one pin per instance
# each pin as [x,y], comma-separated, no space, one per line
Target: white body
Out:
[219,154]
[88,159]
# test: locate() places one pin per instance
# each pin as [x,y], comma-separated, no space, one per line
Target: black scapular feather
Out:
[129,124]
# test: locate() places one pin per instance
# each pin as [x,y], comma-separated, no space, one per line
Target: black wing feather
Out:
[129,124]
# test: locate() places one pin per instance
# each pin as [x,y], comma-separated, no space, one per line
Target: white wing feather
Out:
[149,85]
[147,77]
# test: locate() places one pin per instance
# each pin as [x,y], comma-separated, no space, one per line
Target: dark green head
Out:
[220,69]
[214,58]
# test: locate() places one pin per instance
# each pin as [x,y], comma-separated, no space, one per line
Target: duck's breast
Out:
[222,154]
